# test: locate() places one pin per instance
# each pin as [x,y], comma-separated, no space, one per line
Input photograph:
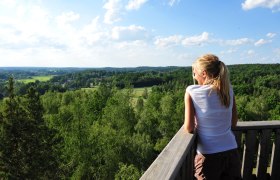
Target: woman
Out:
[210,110]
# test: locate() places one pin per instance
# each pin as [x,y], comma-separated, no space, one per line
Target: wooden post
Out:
[275,157]
[248,155]
[176,159]
[263,151]
[184,167]
[238,137]
[190,163]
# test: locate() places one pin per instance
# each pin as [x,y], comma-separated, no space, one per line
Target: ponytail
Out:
[223,85]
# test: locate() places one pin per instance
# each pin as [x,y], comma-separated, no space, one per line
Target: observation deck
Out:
[258,145]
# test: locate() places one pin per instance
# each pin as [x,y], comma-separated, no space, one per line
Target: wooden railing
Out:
[258,144]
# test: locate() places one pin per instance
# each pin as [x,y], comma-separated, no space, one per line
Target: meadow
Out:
[35,78]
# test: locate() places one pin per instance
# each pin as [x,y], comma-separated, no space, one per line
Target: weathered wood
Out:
[238,135]
[184,167]
[238,138]
[248,125]
[176,159]
[275,157]
[170,160]
[263,152]
[190,165]
[248,155]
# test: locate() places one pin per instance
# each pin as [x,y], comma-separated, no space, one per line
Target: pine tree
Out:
[13,161]
[42,141]
[27,144]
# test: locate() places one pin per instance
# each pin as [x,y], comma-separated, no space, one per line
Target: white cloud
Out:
[113,8]
[261,42]
[271,35]
[251,4]
[67,17]
[8,3]
[64,30]
[172,2]
[93,32]
[185,56]
[131,45]
[135,4]
[129,33]
[277,50]
[237,42]
[196,40]
[93,26]
[31,19]
[168,41]
[229,51]
[26,27]
[32,35]
[250,52]
[178,39]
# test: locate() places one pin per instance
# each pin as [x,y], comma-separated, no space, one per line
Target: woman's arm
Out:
[234,114]
[189,114]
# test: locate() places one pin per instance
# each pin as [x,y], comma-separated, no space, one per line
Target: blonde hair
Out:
[217,75]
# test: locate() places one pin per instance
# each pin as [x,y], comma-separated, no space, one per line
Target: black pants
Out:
[218,166]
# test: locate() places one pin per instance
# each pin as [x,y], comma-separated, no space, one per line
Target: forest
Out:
[89,124]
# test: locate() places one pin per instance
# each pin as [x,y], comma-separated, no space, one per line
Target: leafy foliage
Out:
[27,144]
[104,133]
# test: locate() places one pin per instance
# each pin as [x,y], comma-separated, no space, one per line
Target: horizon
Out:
[135,33]
[128,67]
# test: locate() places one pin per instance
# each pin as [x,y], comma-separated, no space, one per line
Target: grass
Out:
[35,78]
[90,89]
[139,91]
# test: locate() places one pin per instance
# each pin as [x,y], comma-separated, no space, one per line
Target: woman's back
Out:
[213,120]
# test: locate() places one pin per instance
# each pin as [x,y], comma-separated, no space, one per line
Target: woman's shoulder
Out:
[192,88]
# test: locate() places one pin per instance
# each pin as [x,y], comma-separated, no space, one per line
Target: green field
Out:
[35,78]
[139,91]
[90,89]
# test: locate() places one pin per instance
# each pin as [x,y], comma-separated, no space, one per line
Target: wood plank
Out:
[190,164]
[238,138]
[238,135]
[248,155]
[248,125]
[179,175]
[263,152]
[184,167]
[275,157]
[170,160]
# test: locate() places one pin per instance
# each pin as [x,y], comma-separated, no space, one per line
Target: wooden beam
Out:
[169,162]
[248,125]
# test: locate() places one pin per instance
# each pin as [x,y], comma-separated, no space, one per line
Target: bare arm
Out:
[234,114]
[189,114]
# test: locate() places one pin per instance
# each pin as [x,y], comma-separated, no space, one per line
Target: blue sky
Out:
[131,33]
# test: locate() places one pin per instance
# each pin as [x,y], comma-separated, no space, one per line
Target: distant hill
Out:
[26,72]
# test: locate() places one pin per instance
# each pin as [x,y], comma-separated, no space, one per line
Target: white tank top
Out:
[213,120]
